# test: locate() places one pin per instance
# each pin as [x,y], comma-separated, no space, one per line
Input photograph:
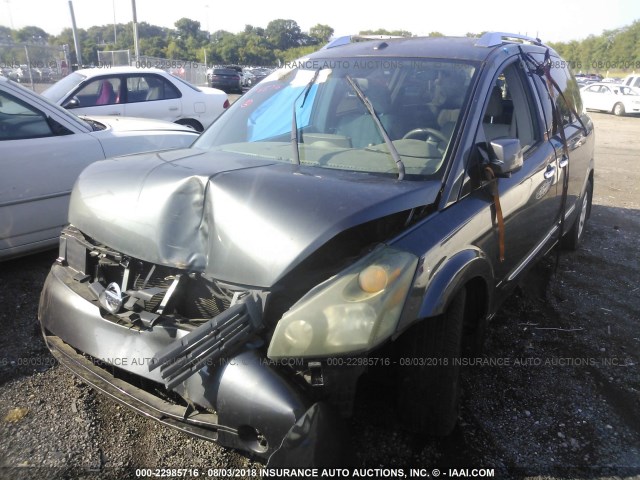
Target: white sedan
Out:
[609,97]
[43,149]
[138,92]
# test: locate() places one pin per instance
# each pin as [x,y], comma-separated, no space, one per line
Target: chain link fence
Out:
[36,66]
[192,72]
[114,58]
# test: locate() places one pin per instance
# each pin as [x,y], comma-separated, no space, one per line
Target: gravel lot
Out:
[563,403]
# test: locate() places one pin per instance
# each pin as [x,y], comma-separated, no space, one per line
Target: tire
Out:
[573,238]
[618,109]
[189,122]
[428,394]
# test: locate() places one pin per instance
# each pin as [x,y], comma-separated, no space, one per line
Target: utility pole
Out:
[75,35]
[135,30]
[8,2]
[115,32]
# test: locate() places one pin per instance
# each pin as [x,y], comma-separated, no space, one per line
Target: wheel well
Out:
[195,124]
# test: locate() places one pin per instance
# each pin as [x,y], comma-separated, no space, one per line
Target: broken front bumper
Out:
[241,402]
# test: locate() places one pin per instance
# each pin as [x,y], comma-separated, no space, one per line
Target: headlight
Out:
[351,312]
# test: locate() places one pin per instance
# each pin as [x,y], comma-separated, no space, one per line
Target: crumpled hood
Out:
[239,219]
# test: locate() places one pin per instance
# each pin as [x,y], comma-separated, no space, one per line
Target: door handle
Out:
[173,109]
[551,172]
[564,161]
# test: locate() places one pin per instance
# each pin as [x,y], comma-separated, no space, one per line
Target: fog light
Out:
[111,298]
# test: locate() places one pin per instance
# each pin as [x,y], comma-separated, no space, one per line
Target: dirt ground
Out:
[556,393]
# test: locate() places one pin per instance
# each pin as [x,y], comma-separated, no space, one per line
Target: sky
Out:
[550,20]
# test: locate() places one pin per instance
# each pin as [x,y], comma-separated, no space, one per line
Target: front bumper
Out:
[242,403]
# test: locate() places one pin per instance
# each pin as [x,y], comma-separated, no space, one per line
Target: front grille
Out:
[156,289]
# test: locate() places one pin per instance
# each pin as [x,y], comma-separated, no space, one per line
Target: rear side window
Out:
[571,91]
[569,88]
[147,88]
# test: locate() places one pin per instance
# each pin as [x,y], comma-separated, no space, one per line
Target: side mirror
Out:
[506,156]
[73,102]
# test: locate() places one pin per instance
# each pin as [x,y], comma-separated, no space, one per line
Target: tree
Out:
[31,35]
[382,31]
[6,36]
[153,46]
[250,29]
[188,28]
[284,34]
[320,33]
[66,38]
[176,49]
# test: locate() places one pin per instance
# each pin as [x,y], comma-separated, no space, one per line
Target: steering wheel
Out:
[429,132]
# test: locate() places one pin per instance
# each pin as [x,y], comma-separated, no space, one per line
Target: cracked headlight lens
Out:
[351,312]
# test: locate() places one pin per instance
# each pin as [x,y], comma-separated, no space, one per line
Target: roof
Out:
[91,72]
[461,48]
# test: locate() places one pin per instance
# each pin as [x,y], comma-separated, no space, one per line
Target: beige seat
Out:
[493,115]
[155,90]
[361,128]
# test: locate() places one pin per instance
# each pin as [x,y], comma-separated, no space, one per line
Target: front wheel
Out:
[428,359]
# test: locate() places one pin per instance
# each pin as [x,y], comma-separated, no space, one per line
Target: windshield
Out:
[59,90]
[417,102]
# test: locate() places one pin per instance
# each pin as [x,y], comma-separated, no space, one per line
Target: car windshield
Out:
[35,97]
[417,102]
[59,90]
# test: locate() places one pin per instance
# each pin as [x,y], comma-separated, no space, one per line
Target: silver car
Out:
[43,149]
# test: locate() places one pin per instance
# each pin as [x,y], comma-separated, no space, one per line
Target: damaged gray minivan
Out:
[371,204]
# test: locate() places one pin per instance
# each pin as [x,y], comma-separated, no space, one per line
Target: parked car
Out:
[43,148]
[257,75]
[368,207]
[632,81]
[247,77]
[226,79]
[138,92]
[617,99]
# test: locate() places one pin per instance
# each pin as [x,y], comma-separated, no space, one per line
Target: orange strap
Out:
[496,200]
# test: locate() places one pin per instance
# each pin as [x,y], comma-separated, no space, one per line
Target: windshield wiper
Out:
[383,132]
[294,120]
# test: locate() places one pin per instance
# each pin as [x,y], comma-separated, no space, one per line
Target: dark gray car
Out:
[226,79]
[368,207]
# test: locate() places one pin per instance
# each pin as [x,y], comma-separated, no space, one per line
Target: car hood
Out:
[239,219]
[134,124]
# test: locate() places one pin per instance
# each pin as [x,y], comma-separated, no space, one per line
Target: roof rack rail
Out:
[493,39]
[338,42]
